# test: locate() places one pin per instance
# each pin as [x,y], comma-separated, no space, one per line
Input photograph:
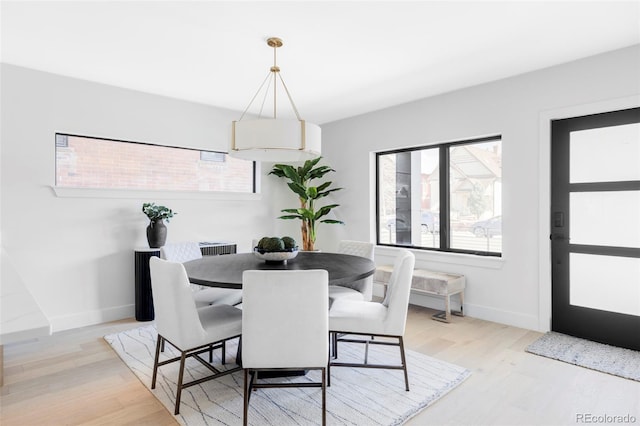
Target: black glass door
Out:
[595,224]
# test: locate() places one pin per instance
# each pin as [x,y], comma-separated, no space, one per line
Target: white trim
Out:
[544,247]
[486,313]
[69,192]
[373,212]
[489,262]
[512,318]
[83,319]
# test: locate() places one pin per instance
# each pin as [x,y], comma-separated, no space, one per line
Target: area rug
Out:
[355,397]
[585,353]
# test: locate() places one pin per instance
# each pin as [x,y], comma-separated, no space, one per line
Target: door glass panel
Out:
[605,218]
[607,283]
[620,145]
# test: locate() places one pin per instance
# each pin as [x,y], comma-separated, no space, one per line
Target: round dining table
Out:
[226,270]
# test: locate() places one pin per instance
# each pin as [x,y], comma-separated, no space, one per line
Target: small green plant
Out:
[155,212]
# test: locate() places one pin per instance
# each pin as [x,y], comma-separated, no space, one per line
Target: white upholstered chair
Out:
[190,330]
[357,290]
[285,326]
[349,318]
[181,252]
[203,296]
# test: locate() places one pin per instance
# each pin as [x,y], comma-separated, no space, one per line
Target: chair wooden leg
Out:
[159,344]
[180,378]
[404,363]
[324,398]
[335,344]
[245,409]
[250,384]
[365,364]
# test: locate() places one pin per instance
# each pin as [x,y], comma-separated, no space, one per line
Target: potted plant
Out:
[157,231]
[300,182]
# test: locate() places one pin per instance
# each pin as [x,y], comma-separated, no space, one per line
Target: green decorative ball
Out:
[289,243]
[274,244]
[262,242]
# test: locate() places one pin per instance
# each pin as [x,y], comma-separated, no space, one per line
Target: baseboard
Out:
[434,302]
[420,299]
[83,319]
[514,319]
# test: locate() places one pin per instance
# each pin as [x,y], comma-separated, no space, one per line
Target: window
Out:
[86,162]
[444,197]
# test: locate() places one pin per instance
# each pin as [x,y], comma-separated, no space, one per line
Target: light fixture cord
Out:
[254,96]
[264,98]
[274,70]
[295,110]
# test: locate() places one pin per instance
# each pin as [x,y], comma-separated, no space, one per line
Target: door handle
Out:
[558,237]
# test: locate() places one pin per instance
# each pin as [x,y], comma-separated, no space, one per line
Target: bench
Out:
[20,316]
[431,283]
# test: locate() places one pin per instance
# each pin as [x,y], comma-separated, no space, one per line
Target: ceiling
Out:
[339,59]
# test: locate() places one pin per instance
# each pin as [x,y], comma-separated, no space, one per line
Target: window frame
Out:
[68,191]
[444,195]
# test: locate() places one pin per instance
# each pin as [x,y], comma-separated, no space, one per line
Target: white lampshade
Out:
[275,140]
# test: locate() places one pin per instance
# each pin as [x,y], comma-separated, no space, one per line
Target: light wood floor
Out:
[74,377]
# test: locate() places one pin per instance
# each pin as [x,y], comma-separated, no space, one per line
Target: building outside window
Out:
[87,162]
[443,197]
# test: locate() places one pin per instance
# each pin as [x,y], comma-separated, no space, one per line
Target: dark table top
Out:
[226,270]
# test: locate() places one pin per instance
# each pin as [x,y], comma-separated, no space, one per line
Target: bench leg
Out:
[444,316]
[460,313]
[447,308]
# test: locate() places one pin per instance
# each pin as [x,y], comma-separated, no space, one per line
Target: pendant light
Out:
[274,139]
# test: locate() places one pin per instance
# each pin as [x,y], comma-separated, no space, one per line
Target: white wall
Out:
[76,254]
[506,290]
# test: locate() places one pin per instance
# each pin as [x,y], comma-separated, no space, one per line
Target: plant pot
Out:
[156,233]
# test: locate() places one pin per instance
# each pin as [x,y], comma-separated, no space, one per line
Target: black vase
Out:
[156,233]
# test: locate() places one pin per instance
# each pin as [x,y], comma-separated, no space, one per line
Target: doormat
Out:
[585,353]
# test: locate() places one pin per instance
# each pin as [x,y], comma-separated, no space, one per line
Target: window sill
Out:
[488,262]
[68,192]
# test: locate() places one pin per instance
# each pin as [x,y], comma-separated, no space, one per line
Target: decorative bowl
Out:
[275,256]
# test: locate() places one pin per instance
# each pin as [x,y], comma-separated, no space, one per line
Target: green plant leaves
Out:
[299,182]
[298,189]
[312,192]
[155,212]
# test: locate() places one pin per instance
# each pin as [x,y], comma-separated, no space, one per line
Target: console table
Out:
[143,296]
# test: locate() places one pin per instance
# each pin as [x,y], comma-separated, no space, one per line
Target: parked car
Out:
[430,222]
[395,222]
[488,228]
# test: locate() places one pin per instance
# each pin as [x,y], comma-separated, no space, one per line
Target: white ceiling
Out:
[339,59]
